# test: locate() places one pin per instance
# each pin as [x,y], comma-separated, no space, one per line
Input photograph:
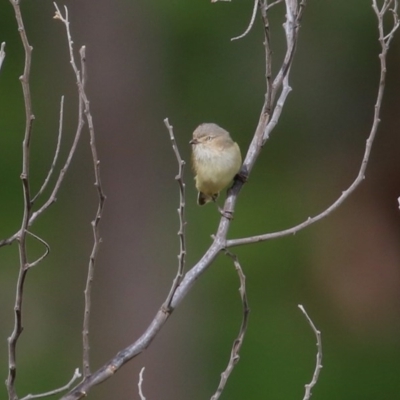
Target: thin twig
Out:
[95,223]
[80,78]
[140,384]
[273,4]
[76,376]
[181,213]
[2,53]
[253,18]
[53,164]
[46,253]
[21,237]
[318,362]
[237,344]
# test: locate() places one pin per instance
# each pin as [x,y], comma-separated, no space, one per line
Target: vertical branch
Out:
[95,222]
[182,222]
[24,264]
[80,79]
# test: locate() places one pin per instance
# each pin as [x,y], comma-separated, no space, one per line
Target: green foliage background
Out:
[148,60]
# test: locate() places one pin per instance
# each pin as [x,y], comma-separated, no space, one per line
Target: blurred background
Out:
[151,60]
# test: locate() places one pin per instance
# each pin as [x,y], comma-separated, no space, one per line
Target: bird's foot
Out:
[242,175]
[226,213]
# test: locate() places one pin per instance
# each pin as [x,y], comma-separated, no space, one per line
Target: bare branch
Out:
[2,53]
[318,362]
[53,164]
[76,376]
[237,344]
[181,212]
[219,243]
[253,18]
[140,384]
[368,146]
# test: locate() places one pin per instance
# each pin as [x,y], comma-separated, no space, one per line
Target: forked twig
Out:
[237,344]
[182,222]
[318,362]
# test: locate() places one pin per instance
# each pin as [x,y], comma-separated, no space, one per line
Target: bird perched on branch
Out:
[216,160]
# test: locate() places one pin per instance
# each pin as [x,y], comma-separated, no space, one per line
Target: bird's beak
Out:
[194,141]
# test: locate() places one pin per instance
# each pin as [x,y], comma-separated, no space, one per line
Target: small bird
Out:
[216,159]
